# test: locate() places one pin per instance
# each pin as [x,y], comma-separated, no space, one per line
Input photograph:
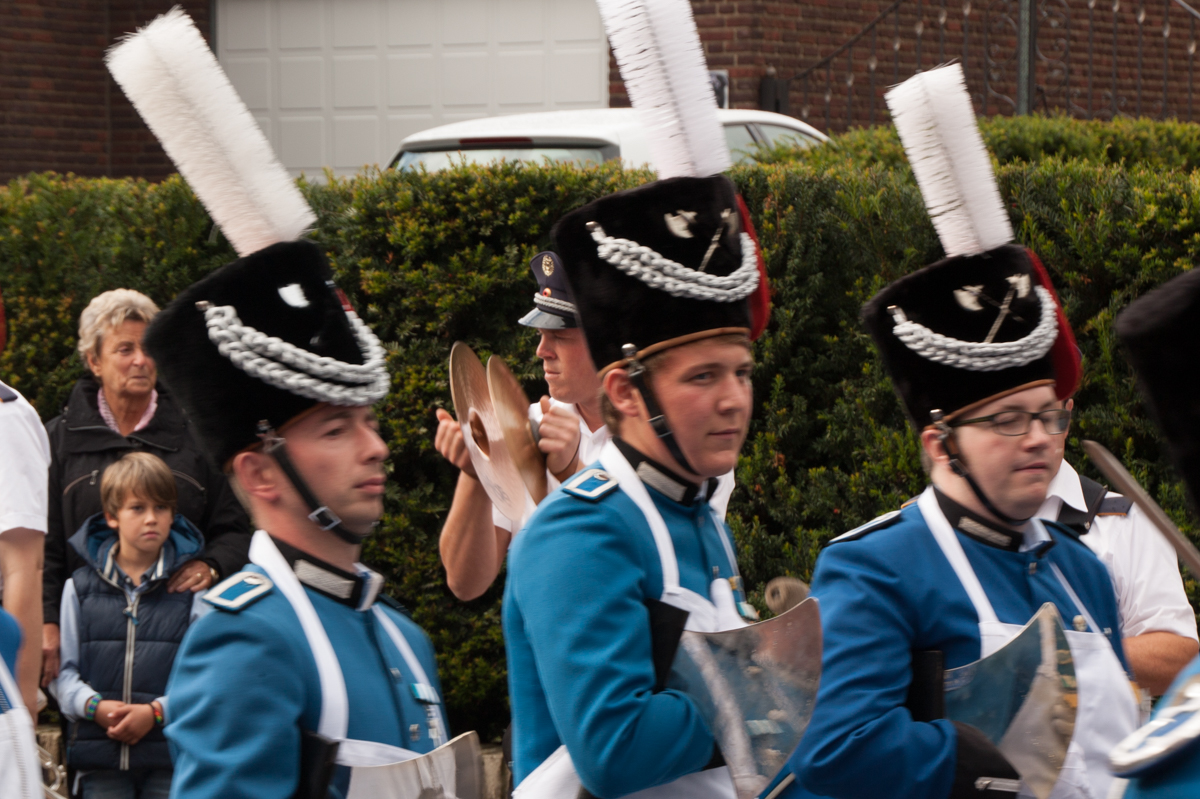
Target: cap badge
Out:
[969,296]
[680,223]
[547,265]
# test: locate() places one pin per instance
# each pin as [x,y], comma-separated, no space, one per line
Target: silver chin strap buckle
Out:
[324,518]
[270,439]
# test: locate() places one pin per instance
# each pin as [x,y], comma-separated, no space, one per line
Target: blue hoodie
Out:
[123,638]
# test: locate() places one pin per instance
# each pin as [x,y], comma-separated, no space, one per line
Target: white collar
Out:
[1066,486]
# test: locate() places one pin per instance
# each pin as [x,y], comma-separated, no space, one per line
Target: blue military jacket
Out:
[245,683]
[890,592]
[577,634]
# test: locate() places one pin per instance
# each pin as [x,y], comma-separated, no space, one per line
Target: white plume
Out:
[936,122]
[174,81]
[658,51]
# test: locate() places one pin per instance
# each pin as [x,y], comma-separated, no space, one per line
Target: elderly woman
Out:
[118,408]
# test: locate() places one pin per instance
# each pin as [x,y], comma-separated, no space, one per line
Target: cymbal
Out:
[512,411]
[494,464]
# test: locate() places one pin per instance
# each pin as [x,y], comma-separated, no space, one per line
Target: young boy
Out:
[121,630]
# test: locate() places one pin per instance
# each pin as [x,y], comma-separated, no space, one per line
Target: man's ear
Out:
[931,442]
[621,393]
[257,474]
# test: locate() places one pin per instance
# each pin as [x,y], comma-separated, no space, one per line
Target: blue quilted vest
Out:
[126,649]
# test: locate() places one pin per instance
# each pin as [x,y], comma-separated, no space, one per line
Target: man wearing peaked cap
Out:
[278,374]
[662,277]
[571,430]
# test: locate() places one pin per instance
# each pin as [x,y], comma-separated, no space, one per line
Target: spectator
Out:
[121,628]
[116,409]
[26,456]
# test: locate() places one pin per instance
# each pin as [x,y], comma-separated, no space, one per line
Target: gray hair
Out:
[108,311]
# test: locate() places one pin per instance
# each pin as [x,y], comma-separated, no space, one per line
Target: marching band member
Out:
[303,680]
[634,533]
[982,359]
[301,641]
[476,535]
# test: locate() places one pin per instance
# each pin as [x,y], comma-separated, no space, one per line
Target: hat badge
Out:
[547,265]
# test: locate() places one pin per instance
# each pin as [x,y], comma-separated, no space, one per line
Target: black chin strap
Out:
[275,446]
[658,422]
[946,439]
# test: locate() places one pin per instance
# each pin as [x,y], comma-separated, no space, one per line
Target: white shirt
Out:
[590,444]
[1143,565]
[24,467]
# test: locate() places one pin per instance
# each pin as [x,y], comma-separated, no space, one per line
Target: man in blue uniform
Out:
[1160,333]
[615,563]
[301,642]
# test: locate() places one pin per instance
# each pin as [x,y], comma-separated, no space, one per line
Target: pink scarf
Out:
[107,415]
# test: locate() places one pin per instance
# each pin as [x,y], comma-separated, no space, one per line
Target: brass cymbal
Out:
[512,411]
[494,464]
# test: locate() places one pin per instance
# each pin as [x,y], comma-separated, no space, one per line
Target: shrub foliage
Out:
[429,259]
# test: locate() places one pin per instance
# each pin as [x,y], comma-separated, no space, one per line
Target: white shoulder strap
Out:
[615,464]
[943,533]
[414,665]
[335,705]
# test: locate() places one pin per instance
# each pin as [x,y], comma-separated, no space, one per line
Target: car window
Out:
[741,143]
[435,160]
[778,134]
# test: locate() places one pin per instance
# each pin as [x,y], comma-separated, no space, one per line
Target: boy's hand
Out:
[130,723]
[105,711]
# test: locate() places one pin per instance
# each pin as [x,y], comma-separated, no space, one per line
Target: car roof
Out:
[594,125]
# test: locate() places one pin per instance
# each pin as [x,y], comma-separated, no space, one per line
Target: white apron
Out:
[20,771]
[335,706]
[1107,710]
[555,778]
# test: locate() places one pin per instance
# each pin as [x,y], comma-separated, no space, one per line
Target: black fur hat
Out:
[1161,335]
[971,328]
[660,265]
[264,339]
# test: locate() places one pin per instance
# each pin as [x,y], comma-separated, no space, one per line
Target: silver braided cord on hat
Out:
[553,303]
[660,272]
[268,359]
[978,356]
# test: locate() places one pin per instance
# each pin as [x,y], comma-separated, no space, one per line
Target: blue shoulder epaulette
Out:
[878,523]
[7,394]
[590,484]
[1115,505]
[239,591]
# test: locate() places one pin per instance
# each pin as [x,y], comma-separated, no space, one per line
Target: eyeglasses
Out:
[1017,423]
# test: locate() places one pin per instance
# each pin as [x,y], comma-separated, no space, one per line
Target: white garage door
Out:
[338,83]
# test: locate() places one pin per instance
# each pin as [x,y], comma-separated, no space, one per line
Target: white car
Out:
[583,137]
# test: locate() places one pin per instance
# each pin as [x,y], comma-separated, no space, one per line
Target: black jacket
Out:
[82,445]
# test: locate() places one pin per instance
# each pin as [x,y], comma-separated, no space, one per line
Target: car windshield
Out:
[434,160]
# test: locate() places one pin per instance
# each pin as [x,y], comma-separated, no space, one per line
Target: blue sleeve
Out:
[861,741]
[237,699]
[69,687]
[579,584]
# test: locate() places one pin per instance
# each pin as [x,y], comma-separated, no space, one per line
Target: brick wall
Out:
[755,39]
[59,109]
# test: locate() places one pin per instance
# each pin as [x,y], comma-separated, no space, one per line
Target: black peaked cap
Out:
[553,305]
[617,309]
[1160,332]
[940,298]
[223,402]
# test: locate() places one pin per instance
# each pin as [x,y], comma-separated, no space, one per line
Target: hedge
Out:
[433,258]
